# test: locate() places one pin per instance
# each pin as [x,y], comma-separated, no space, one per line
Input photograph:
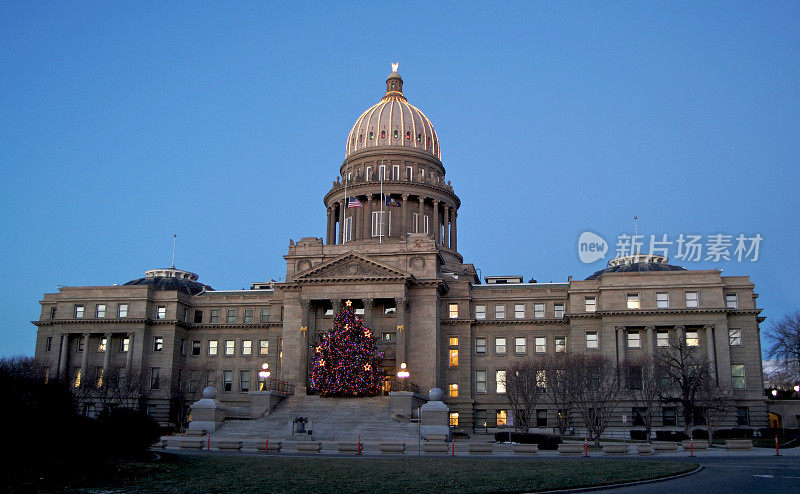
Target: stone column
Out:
[304,307]
[342,209]
[421,219]
[436,234]
[369,309]
[404,216]
[368,207]
[85,358]
[620,345]
[446,236]
[129,357]
[62,363]
[328,228]
[680,333]
[336,303]
[453,232]
[401,341]
[650,339]
[712,361]
[107,358]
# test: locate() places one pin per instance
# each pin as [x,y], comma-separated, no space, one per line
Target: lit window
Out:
[388,336]
[590,304]
[480,312]
[227,380]
[499,311]
[161,312]
[731,300]
[591,339]
[103,345]
[99,373]
[453,391]
[453,309]
[691,300]
[158,343]
[100,310]
[453,341]
[737,376]
[633,300]
[540,344]
[265,315]
[196,347]
[78,377]
[500,381]
[500,345]
[561,344]
[155,381]
[453,419]
[735,337]
[231,316]
[538,310]
[541,379]
[248,315]
[662,338]
[126,343]
[502,417]
[212,347]
[480,345]
[244,381]
[662,300]
[214,315]
[519,311]
[634,339]
[453,358]
[230,347]
[480,381]
[79,311]
[692,339]
[263,347]
[247,347]
[558,310]
[519,345]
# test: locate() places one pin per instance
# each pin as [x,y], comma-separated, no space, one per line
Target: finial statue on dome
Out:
[395,66]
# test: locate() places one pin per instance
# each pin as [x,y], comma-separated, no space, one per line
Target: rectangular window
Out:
[480,418]
[381,223]
[502,418]
[231,316]
[669,416]
[480,345]
[388,336]
[122,310]
[103,345]
[737,376]
[453,310]
[453,419]
[395,172]
[155,381]
[248,315]
[480,312]
[634,339]
[227,380]
[230,347]
[662,338]
[662,300]
[480,381]
[409,173]
[53,311]
[158,343]
[414,226]
[635,379]
[368,173]
[499,311]
[692,300]
[185,317]
[183,346]
[541,418]
[453,391]
[453,341]
[633,300]
[265,315]
[453,358]
[538,310]
[590,304]
[80,344]
[558,310]
[194,378]
[125,346]
[214,315]
[742,416]
[100,310]
[426,225]
[500,345]
[78,377]
[591,340]
[99,373]
[389,307]
[540,344]
[161,312]
[735,337]
[500,381]
[637,416]
[244,381]
[382,172]
[692,339]
[519,345]
[263,347]
[198,316]
[247,347]
[519,311]
[348,228]
[79,311]
[731,300]
[48,343]
[195,347]
[561,344]
[212,347]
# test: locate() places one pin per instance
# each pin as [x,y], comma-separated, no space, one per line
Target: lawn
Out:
[216,473]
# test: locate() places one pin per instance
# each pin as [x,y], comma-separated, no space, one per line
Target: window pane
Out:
[540,343]
[453,358]
[633,300]
[633,339]
[735,337]
[480,312]
[453,309]
[561,344]
[558,310]
[519,345]
[499,311]
[590,304]
[591,339]
[453,391]
[662,338]
[480,345]
[519,311]
[500,381]
[499,345]
[692,339]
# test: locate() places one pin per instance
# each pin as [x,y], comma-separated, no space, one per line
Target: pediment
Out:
[351,266]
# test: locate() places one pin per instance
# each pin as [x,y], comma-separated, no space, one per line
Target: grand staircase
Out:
[330,419]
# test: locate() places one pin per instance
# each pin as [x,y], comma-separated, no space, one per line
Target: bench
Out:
[348,447]
[738,444]
[435,447]
[644,448]
[228,445]
[392,447]
[308,446]
[665,446]
[698,444]
[573,449]
[525,449]
[615,449]
[479,448]
[436,437]
[193,443]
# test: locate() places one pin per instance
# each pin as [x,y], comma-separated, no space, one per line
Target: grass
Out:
[200,473]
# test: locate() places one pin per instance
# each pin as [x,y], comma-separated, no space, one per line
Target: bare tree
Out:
[525,383]
[785,348]
[560,371]
[716,404]
[643,389]
[597,392]
[683,371]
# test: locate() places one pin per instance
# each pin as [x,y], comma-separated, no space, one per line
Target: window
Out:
[453,391]
[382,171]
[79,311]
[247,347]
[453,419]
[409,173]
[591,339]
[183,346]
[231,316]
[519,311]
[731,300]
[263,347]
[155,381]
[635,379]
[662,300]
[480,345]
[389,307]
[103,345]
[198,316]
[500,345]
[348,228]
[480,418]
[396,171]
[538,310]
[244,381]
[214,315]
[161,312]
[78,377]
[633,300]
[637,415]
[480,381]
[692,339]
[453,341]
[519,344]
[53,311]
[742,416]
[453,310]
[185,317]
[426,225]
[230,347]
[248,315]
[590,304]
[540,344]
[265,314]
[561,344]
[48,344]
[158,343]
[194,377]
[368,173]
[669,416]
[196,347]
[502,417]
[634,339]
[541,380]
[662,338]
[381,223]
[737,376]
[558,310]
[152,410]
[212,347]
[541,418]
[453,358]
[387,336]
[125,346]
[691,300]
[80,344]
[499,311]
[480,312]
[98,371]
[500,381]
[735,337]
[227,380]
[100,310]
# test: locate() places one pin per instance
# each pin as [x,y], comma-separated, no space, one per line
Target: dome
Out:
[172,279]
[636,263]
[393,122]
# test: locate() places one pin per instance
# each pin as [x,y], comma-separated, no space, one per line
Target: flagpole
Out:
[383,168]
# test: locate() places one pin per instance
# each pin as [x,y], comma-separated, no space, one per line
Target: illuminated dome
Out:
[393,123]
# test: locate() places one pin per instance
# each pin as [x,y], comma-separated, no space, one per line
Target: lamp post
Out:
[402,374]
[263,376]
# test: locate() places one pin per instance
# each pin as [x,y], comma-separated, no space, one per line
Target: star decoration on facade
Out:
[348,303]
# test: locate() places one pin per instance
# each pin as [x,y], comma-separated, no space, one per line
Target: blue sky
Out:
[123,123]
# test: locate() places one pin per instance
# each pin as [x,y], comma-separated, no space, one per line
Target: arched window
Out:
[383,134]
[408,135]
[396,134]
[360,137]
[419,137]
[371,135]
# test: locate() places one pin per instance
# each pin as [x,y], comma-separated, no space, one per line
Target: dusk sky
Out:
[226,124]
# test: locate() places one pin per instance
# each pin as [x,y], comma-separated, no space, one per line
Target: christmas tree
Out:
[346,359]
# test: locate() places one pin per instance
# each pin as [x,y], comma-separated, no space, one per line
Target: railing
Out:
[273,384]
[400,386]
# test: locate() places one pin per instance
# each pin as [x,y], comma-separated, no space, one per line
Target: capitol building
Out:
[391,248]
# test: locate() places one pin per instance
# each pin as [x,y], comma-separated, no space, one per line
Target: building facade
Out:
[391,247]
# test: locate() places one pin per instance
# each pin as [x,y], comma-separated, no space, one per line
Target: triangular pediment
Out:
[352,266]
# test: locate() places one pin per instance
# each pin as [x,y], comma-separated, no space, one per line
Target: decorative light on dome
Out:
[395,66]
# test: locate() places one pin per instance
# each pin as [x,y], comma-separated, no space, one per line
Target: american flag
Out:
[353,202]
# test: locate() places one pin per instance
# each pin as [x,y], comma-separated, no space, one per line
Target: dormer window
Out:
[360,137]
[396,134]
[383,134]
[419,137]
[408,135]
[371,136]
